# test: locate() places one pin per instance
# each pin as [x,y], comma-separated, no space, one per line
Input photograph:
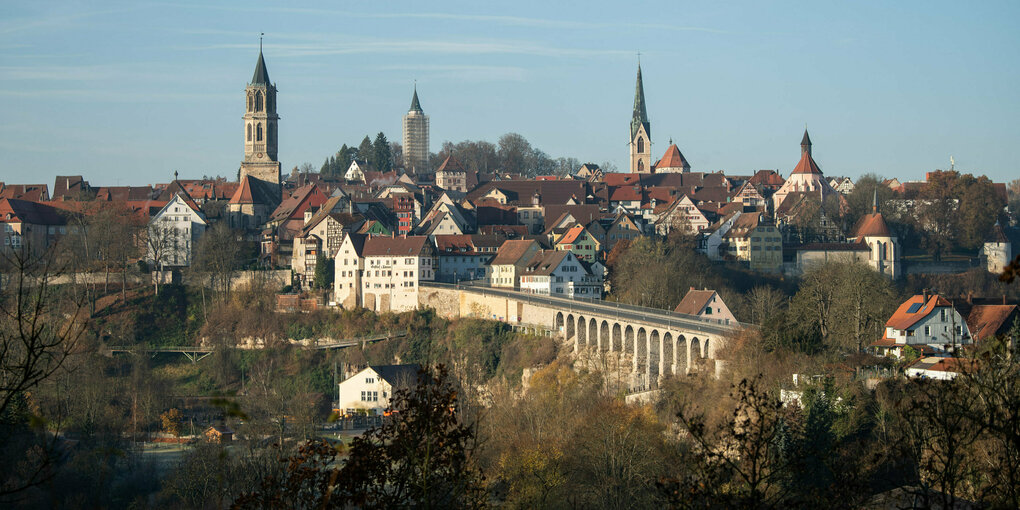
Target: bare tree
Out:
[40,327]
[159,241]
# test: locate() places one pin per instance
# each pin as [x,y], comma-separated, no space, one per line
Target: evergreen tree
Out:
[383,159]
[366,151]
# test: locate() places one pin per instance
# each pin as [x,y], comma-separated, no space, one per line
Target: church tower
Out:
[416,138]
[640,131]
[260,133]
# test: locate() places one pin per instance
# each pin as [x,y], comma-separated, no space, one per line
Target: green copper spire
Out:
[640,117]
[415,105]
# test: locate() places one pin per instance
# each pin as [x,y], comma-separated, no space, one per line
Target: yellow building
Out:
[756,241]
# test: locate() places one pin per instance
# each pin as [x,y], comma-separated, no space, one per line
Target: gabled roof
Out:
[451,164]
[915,309]
[381,246]
[572,234]
[512,251]
[398,375]
[769,178]
[987,321]
[33,192]
[30,212]
[545,262]
[261,76]
[175,189]
[694,301]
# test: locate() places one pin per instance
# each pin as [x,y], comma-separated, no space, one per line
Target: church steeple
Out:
[640,130]
[261,76]
[805,143]
[260,123]
[640,115]
[415,105]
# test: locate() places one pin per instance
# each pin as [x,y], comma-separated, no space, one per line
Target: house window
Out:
[369,380]
[927,330]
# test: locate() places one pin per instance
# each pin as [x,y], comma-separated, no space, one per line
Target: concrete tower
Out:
[260,123]
[640,131]
[416,138]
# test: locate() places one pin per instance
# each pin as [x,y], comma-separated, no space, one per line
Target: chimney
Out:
[924,293]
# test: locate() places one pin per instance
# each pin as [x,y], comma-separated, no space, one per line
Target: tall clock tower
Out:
[260,127]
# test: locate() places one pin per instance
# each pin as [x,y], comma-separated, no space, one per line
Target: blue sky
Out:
[128,92]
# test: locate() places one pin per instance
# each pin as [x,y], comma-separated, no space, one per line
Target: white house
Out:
[356,172]
[370,390]
[382,273]
[173,232]
[936,367]
[561,273]
[706,304]
[927,323]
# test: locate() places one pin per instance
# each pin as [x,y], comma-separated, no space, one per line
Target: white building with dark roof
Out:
[369,391]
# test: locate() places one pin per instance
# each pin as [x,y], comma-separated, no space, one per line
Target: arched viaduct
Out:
[657,342]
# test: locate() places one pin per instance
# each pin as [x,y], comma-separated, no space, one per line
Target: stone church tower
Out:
[640,131]
[260,123]
[416,138]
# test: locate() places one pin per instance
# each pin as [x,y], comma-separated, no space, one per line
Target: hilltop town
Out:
[660,300]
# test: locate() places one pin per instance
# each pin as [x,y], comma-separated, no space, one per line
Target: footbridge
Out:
[655,342]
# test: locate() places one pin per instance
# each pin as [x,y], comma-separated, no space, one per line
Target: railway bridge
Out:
[657,342]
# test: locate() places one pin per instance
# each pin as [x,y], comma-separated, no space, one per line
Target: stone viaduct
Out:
[657,342]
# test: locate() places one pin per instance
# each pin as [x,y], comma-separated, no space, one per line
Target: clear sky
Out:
[128,92]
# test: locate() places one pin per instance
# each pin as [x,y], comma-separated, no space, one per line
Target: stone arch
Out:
[641,165]
[571,327]
[258,100]
[558,322]
[695,358]
[705,349]
[668,355]
[258,132]
[641,352]
[582,326]
[593,332]
[249,131]
[628,340]
[617,338]
[640,147]
[681,355]
[251,102]
[654,357]
[604,338]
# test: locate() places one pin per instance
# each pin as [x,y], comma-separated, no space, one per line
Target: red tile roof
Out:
[987,321]
[512,251]
[807,165]
[871,225]
[901,319]
[572,234]
[672,159]
[395,246]
[694,301]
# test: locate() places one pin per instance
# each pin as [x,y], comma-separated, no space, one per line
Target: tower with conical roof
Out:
[640,131]
[416,137]
[260,123]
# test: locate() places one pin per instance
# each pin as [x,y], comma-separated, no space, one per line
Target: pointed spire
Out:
[874,201]
[415,105]
[261,76]
[805,143]
[640,116]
